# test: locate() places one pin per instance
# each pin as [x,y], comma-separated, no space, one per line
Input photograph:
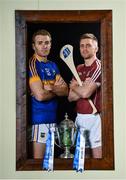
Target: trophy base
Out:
[66,155]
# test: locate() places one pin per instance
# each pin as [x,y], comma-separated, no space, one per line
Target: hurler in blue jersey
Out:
[43,112]
[46,84]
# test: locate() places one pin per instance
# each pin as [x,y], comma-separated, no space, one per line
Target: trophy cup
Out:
[66,135]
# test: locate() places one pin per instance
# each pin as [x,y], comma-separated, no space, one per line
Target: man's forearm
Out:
[86,90]
[73,96]
[60,90]
[47,95]
[44,95]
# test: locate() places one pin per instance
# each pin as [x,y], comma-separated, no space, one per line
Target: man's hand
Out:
[87,81]
[73,84]
[40,92]
[48,87]
[60,87]
[59,82]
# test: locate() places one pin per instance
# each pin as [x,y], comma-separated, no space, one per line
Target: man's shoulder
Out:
[32,61]
[98,60]
[97,63]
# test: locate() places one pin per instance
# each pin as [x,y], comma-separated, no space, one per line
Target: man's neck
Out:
[40,58]
[89,62]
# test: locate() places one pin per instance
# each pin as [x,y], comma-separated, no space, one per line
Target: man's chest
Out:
[85,73]
[46,72]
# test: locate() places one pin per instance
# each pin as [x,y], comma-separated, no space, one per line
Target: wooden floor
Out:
[59,164]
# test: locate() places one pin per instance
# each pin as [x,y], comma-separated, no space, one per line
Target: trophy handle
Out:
[59,145]
[74,136]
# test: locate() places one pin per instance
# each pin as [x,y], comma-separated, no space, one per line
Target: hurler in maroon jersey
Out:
[90,74]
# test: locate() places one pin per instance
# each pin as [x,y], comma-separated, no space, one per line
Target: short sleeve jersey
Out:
[47,72]
[94,72]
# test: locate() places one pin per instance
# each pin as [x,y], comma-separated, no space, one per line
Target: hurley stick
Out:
[66,54]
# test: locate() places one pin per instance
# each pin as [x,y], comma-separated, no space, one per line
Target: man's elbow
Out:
[72,98]
[66,91]
[63,92]
[85,95]
[69,99]
[39,97]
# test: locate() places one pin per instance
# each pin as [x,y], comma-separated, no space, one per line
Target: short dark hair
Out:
[41,32]
[88,36]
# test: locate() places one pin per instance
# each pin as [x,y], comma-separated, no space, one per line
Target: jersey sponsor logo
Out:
[48,71]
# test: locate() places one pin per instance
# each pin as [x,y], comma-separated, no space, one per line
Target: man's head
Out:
[41,42]
[88,45]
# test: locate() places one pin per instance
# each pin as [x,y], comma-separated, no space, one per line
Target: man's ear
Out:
[50,44]
[33,46]
[97,49]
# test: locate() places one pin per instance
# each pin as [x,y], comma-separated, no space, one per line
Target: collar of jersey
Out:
[91,64]
[40,59]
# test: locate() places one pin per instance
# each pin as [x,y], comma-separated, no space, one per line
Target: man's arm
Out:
[73,96]
[87,88]
[60,88]
[39,92]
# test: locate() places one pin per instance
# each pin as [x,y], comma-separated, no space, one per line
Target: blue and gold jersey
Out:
[47,72]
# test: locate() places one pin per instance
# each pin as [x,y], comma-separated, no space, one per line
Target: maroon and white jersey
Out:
[94,72]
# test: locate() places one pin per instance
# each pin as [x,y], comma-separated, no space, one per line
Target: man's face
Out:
[88,48]
[42,45]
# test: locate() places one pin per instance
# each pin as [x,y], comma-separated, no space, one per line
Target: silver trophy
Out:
[66,135]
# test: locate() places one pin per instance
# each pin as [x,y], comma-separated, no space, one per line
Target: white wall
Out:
[7,83]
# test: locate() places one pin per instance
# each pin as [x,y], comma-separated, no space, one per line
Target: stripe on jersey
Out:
[34,79]
[97,72]
[32,66]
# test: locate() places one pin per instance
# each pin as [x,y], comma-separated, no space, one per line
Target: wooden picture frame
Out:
[105,19]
